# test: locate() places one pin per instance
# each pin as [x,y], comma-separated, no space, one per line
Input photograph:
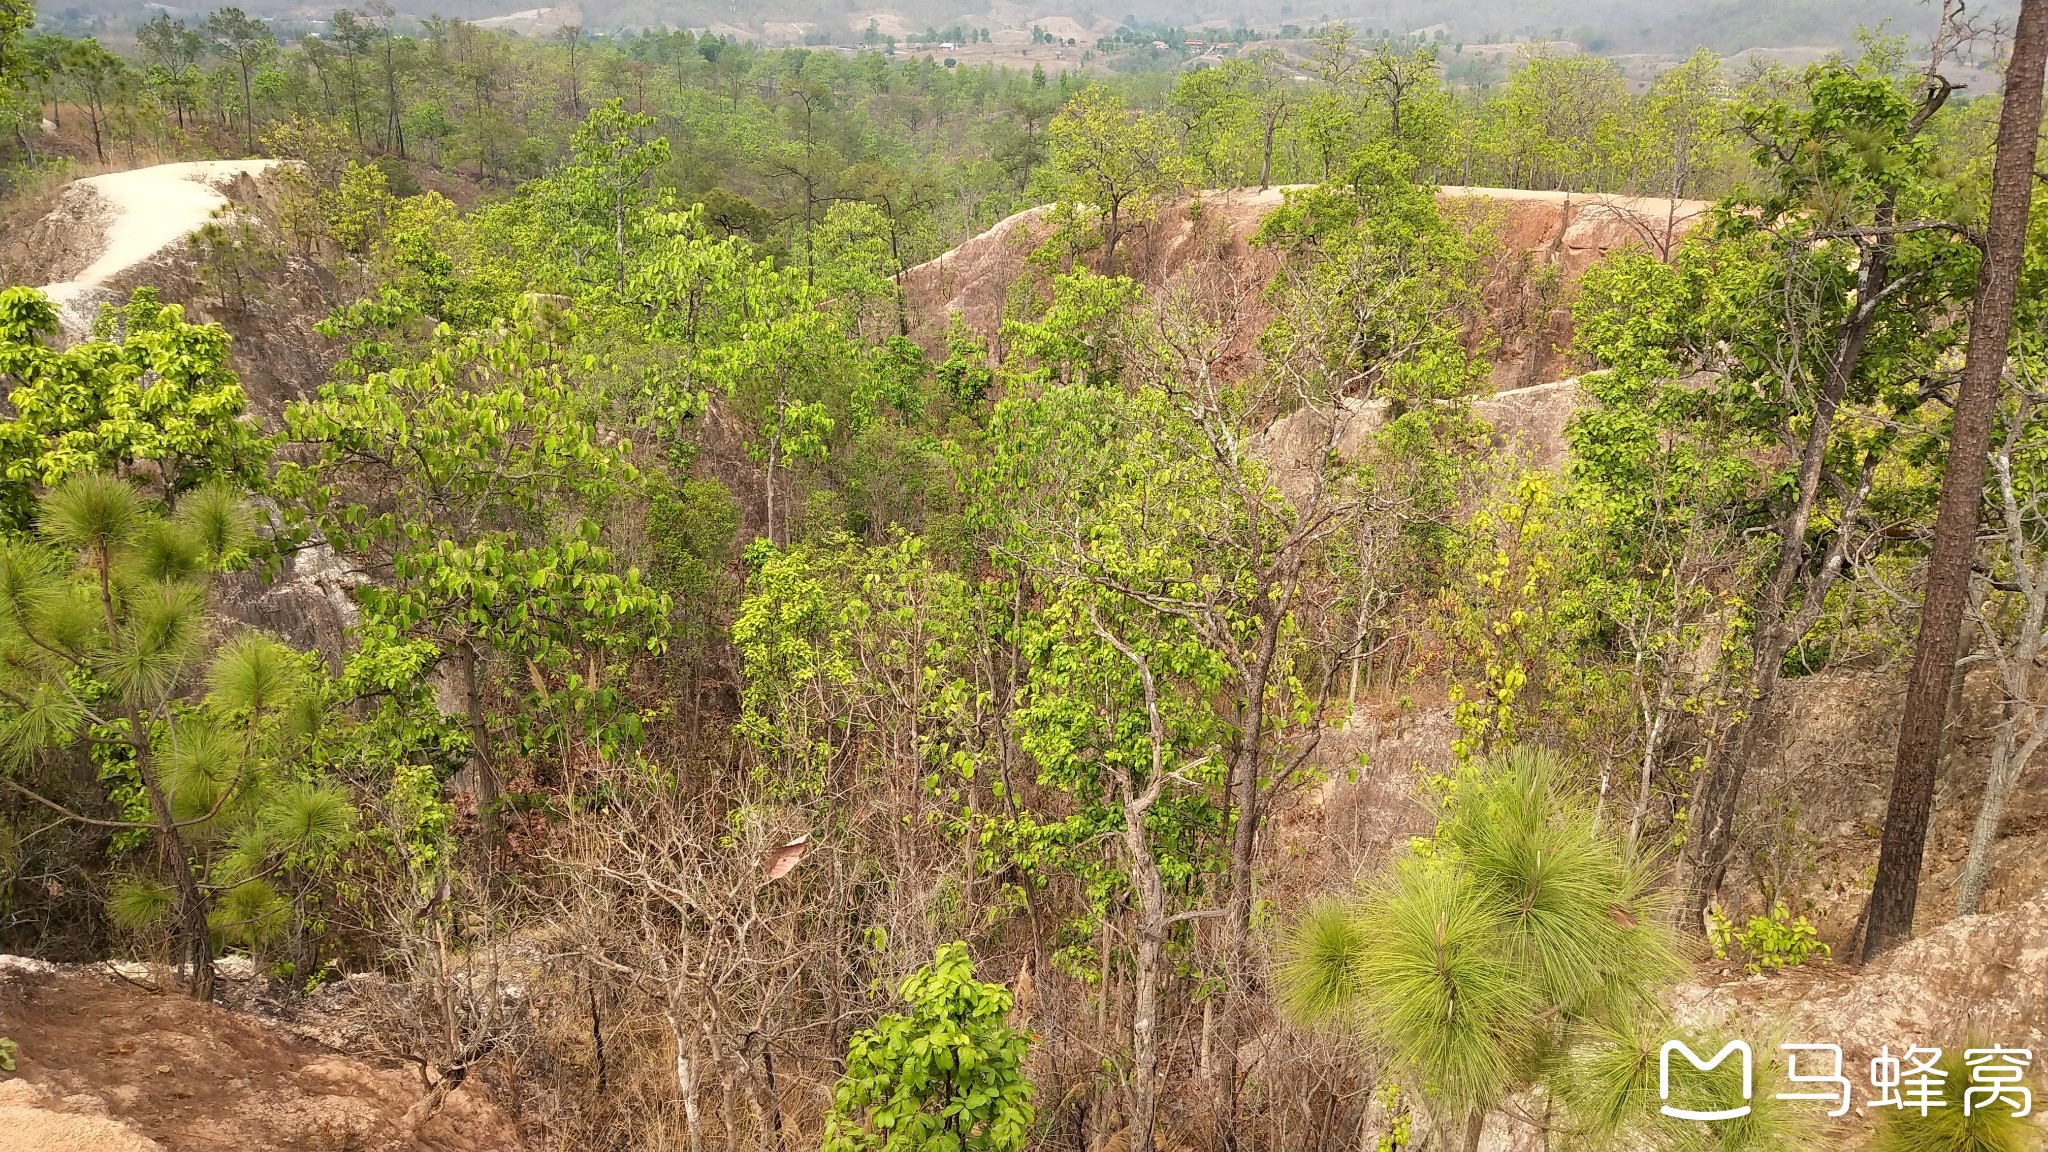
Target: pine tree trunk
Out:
[195,933]
[1895,892]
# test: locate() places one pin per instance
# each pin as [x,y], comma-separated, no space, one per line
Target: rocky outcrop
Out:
[105,227]
[1813,809]
[97,239]
[1974,982]
[310,604]
[1976,978]
[1528,423]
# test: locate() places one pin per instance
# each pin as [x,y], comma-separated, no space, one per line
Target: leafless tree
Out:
[2011,616]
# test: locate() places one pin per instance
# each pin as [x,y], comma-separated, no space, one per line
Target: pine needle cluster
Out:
[107,649]
[1521,947]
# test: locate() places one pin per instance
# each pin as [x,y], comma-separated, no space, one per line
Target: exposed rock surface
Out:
[1983,977]
[1814,803]
[110,224]
[98,238]
[1975,981]
[309,605]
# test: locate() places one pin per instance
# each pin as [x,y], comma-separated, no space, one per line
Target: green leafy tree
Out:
[149,397]
[172,51]
[1120,165]
[1682,140]
[103,79]
[1822,307]
[20,111]
[948,1077]
[1331,121]
[247,44]
[1407,82]
[475,482]
[16,18]
[1558,122]
[605,181]
[1208,106]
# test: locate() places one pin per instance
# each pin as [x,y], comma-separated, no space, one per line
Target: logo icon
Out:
[1692,1058]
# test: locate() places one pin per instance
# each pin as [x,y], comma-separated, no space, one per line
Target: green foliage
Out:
[838,642]
[494,485]
[1102,159]
[419,821]
[1516,933]
[965,374]
[1987,1129]
[16,18]
[1376,235]
[105,646]
[356,208]
[147,390]
[1402,1126]
[236,257]
[1611,1091]
[1083,722]
[1766,942]
[948,1077]
[1502,618]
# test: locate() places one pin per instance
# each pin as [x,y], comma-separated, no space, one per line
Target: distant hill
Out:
[1607,26]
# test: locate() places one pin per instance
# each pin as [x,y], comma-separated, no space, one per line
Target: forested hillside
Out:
[693,595]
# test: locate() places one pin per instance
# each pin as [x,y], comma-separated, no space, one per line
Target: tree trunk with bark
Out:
[1895,892]
[1149,940]
[1721,789]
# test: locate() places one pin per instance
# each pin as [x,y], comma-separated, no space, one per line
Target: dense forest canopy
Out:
[783,705]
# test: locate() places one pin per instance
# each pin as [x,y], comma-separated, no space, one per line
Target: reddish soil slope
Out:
[1530,233]
[105,1065]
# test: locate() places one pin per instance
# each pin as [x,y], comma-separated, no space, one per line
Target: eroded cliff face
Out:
[1813,812]
[1538,245]
[1829,741]
[1827,762]
[94,240]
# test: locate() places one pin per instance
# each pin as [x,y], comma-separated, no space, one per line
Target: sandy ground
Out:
[138,215]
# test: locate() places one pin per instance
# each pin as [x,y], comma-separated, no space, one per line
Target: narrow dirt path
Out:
[138,214]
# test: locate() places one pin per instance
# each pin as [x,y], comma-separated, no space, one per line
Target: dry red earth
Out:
[107,1066]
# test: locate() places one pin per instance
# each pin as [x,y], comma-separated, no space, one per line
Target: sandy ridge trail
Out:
[138,215]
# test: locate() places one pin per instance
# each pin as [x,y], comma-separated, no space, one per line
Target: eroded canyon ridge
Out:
[1031,583]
